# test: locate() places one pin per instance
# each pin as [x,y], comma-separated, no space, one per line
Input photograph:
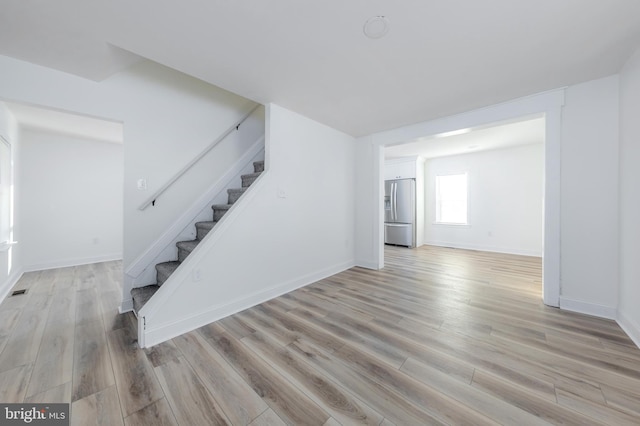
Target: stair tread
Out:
[188,245]
[141,295]
[236,190]
[206,225]
[168,266]
[256,174]
[221,206]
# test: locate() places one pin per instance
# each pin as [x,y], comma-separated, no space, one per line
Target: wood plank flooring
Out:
[439,336]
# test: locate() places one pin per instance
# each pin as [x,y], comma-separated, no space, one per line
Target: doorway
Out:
[481,189]
[547,105]
[68,188]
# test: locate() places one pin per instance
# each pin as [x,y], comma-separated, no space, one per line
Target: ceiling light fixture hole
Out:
[376,27]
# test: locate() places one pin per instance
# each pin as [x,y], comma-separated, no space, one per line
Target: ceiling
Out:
[504,135]
[440,57]
[80,126]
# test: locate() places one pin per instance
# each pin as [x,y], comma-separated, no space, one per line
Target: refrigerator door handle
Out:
[393,201]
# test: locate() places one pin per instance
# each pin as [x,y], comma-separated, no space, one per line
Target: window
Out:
[5,191]
[451,199]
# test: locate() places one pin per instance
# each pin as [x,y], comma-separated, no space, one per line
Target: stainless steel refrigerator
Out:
[400,212]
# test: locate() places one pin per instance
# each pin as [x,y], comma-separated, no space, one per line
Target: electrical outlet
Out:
[197,275]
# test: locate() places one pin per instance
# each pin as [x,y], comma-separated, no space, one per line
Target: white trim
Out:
[173,283]
[145,259]
[6,245]
[548,103]
[407,159]
[125,306]
[378,207]
[631,328]
[593,309]
[551,283]
[367,264]
[72,262]
[480,247]
[12,280]
[164,332]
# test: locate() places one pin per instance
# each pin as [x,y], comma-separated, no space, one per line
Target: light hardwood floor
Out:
[440,336]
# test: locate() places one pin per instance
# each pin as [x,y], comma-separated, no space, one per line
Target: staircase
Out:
[141,295]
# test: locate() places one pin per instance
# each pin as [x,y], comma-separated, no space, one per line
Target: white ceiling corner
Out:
[66,123]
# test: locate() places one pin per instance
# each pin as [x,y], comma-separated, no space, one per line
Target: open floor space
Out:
[439,336]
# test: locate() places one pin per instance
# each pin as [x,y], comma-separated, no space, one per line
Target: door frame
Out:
[548,104]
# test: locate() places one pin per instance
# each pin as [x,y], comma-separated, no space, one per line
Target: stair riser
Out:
[258,166]
[234,196]
[248,180]
[161,278]
[217,214]
[182,254]
[202,233]
[142,295]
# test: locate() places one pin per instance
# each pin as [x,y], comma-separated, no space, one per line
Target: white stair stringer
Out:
[188,275]
[142,271]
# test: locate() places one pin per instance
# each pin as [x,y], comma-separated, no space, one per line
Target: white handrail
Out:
[151,200]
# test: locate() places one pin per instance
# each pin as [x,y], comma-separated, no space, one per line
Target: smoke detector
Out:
[376,27]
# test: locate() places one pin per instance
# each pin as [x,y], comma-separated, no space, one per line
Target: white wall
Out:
[505,195]
[295,225]
[589,188]
[629,294]
[70,200]
[9,262]
[168,118]
[369,203]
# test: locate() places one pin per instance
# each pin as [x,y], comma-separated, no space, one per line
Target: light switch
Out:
[142,184]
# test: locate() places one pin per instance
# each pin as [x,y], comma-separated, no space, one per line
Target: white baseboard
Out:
[631,328]
[163,332]
[65,263]
[125,306]
[593,309]
[367,264]
[11,281]
[480,247]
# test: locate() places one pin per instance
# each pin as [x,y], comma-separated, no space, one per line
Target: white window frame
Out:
[438,201]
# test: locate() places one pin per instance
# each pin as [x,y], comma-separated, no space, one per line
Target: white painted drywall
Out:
[368,203]
[168,118]
[421,211]
[295,226]
[70,199]
[505,197]
[629,295]
[589,218]
[10,267]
